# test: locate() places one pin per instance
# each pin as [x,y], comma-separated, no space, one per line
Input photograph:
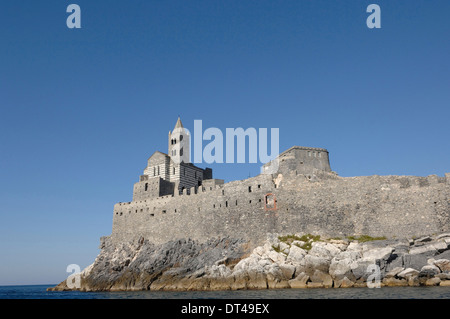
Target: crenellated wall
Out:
[320,203]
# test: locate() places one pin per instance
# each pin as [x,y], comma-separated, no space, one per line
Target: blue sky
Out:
[83,109]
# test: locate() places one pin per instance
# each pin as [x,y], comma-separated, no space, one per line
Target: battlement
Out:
[179,200]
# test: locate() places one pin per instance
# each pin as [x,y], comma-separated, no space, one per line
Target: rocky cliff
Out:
[293,261]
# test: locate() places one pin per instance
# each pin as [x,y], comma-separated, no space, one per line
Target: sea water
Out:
[39,292]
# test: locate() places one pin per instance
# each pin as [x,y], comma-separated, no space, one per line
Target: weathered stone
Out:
[372,255]
[284,248]
[423,239]
[300,281]
[321,277]
[442,264]
[288,270]
[315,285]
[394,272]
[432,281]
[278,258]
[413,281]
[342,268]
[343,283]
[394,282]
[296,254]
[445,283]
[443,276]
[407,273]
[429,271]
[313,263]
[256,280]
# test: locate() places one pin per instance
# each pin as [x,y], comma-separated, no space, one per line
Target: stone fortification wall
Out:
[320,203]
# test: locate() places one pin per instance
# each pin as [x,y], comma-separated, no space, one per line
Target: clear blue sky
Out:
[82,110]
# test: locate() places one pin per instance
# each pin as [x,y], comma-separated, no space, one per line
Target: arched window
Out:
[181,151]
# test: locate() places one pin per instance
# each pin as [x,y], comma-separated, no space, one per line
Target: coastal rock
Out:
[408,272]
[323,278]
[442,264]
[296,254]
[300,281]
[227,263]
[343,283]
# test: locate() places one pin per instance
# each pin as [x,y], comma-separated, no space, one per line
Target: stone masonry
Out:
[303,196]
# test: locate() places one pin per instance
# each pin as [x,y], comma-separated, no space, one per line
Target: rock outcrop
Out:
[296,261]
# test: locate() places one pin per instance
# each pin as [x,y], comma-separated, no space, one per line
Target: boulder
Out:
[372,255]
[394,272]
[429,271]
[300,281]
[443,264]
[435,281]
[278,258]
[323,278]
[408,272]
[296,254]
[342,268]
[287,270]
[313,263]
[343,283]
[395,282]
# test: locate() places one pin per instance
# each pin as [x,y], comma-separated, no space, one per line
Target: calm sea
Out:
[39,292]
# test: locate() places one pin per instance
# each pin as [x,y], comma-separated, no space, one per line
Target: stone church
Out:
[167,174]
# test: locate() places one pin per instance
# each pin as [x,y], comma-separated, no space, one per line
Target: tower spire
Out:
[178,124]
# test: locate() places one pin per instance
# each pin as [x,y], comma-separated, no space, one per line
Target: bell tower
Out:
[179,143]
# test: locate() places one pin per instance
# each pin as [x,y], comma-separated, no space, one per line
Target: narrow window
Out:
[154,171]
[164,211]
[146,186]
[236,202]
[226,203]
[181,138]
[158,170]
[249,189]
[181,151]
[174,171]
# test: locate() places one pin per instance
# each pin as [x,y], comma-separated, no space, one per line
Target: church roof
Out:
[178,124]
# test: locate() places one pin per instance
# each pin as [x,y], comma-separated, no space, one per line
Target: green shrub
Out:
[365,238]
